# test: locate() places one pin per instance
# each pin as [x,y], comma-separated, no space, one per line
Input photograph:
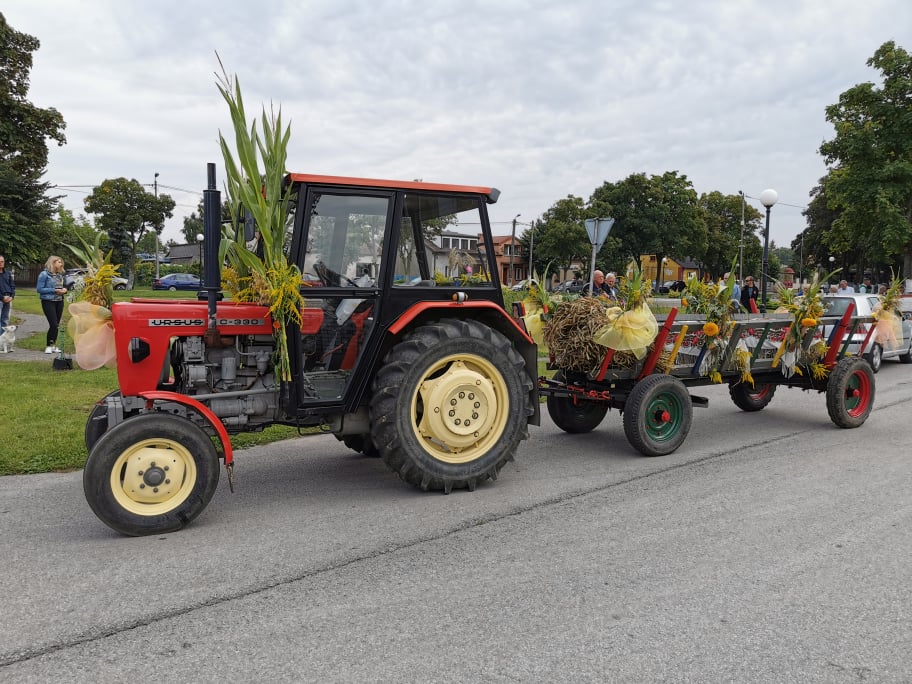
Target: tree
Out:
[25,209]
[126,211]
[560,236]
[194,224]
[69,230]
[870,162]
[653,215]
[722,218]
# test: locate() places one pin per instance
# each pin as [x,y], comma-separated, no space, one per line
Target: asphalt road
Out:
[771,547]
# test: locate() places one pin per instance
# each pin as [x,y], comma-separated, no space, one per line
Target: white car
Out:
[75,277]
[875,351]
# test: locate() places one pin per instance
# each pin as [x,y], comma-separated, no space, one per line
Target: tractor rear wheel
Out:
[850,392]
[657,415]
[749,398]
[450,405]
[151,474]
[573,415]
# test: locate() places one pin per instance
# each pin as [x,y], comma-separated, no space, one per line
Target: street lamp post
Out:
[513,247]
[768,198]
[155,185]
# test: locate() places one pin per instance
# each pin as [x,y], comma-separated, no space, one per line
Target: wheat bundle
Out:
[570,330]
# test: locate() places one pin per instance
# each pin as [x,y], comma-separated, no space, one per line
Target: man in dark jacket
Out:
[7,292]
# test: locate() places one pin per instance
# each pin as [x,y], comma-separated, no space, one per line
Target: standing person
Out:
[866,286]
[7,292]
[844,288]
[749,294]
[51,291]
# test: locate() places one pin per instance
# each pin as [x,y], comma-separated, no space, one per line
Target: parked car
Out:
[75,277]
[177,281]
[672,286]
[571,286]
[875,351]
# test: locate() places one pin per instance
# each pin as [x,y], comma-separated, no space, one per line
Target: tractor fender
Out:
[201,409]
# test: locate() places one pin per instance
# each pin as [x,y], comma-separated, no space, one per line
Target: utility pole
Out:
[513,247]
[157,249]
[531,245]
[741,242]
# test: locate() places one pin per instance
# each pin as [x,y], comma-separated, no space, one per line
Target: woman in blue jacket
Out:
[51,291]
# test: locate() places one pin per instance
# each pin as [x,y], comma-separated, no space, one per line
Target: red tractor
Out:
[405,352]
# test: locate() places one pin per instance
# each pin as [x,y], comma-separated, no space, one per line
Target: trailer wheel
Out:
[575,416]
[657,415]
[360,443]
[875,357]
[850,392]
[151,474]
[749,398]
[450,405]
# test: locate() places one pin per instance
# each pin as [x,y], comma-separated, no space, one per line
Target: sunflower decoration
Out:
[806,312]
[713,301]
[888,328]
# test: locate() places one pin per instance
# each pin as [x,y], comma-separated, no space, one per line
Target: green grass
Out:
[43,412]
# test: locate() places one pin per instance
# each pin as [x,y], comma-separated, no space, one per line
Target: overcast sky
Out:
[540,99]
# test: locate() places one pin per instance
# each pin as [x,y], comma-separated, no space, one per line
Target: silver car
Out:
[875,351]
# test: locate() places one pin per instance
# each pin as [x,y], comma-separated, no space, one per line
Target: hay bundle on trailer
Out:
[570,331]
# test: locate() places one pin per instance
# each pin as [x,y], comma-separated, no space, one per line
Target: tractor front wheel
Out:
[151,474]
[450,404]
[657,415]
[850,392]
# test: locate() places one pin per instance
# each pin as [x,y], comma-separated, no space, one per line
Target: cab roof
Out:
[491,194]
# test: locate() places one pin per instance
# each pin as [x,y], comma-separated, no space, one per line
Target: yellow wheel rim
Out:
[460,408]
[153,476]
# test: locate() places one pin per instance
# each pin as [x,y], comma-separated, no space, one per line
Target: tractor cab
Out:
[369,251]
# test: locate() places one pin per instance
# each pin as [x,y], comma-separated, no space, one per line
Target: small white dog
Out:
[7,339]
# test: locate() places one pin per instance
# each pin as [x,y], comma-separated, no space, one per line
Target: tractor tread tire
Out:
[394,430]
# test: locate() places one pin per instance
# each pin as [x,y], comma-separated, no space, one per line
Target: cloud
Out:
[539,99]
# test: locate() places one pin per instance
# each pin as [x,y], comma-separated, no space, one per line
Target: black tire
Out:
[97,424]
[172,289]
[875,357]
[120,287]
[360,443]
[450,405]
[657,415]
[574,416]
[907,357]
[128,478]
[850,392]
[749,398]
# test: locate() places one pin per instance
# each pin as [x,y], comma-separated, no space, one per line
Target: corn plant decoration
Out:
[270,281]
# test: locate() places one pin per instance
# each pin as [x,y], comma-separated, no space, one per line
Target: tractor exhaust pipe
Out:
[212,237]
